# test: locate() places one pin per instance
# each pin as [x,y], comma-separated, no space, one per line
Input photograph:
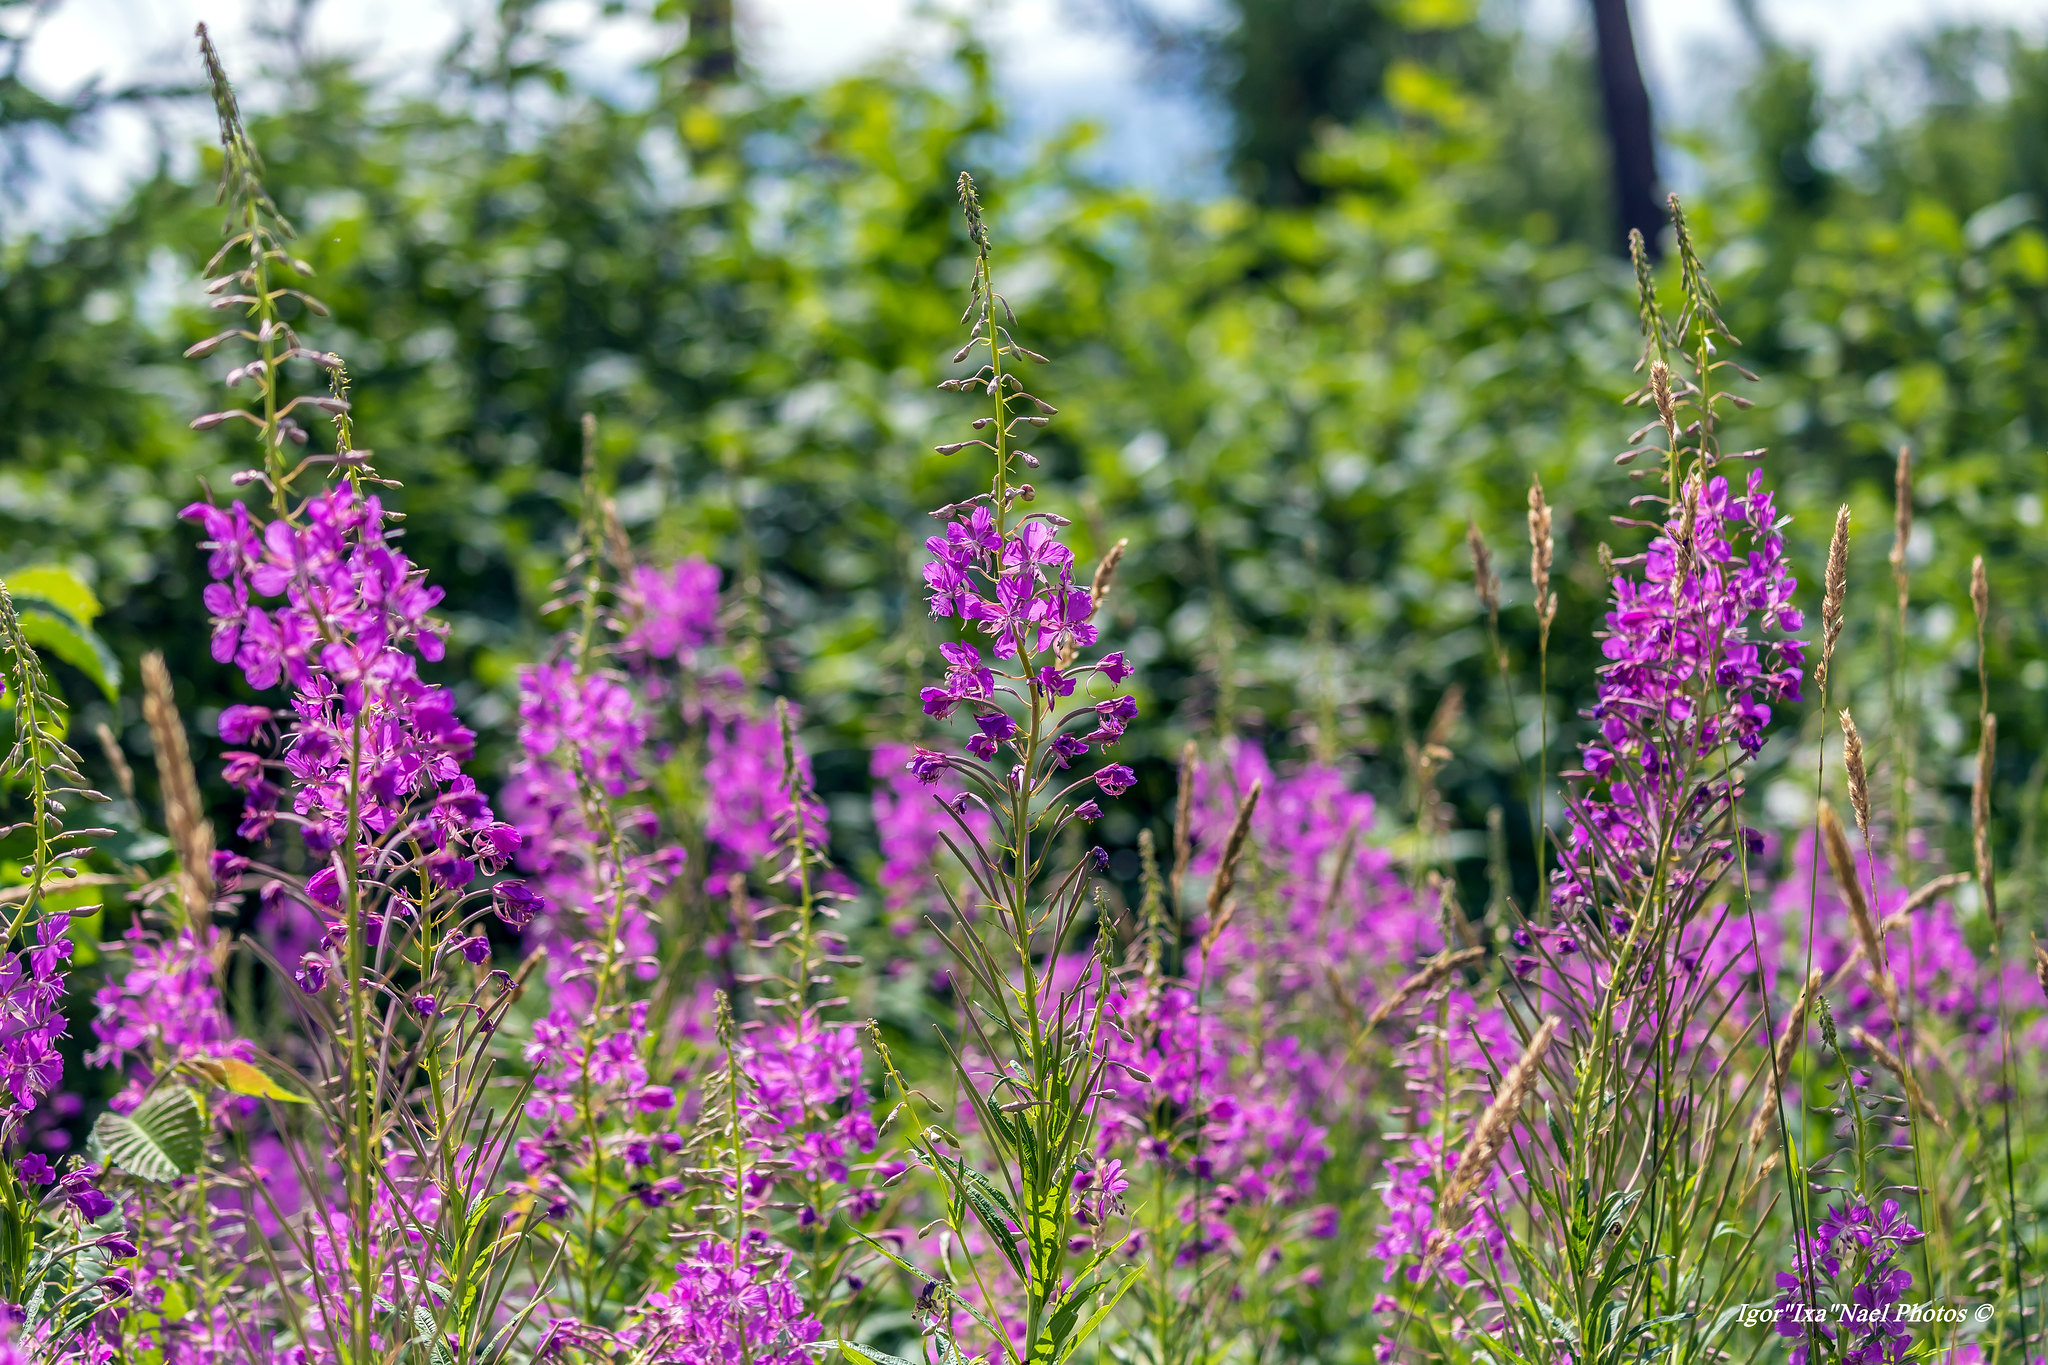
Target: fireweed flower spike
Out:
[363,760]
[1006,578]
[1641,965]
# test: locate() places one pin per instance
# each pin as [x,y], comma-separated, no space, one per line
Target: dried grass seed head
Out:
[1980,815]
[1835,589]
[1660,394]
[184,816]
[1859,778]
[1541,550]
[1490,1135]
[1902,510]
[1483,578]
[1842,862]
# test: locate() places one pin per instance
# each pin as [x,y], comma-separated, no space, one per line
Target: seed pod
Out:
[1184,820]
[1105,573]
[1491,1133]
[1422,982]
[124,776]
[1890,1061]
[1660,394]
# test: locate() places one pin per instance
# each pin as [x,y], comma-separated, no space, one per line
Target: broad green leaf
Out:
[58,586]
[163,1139]
[75,644]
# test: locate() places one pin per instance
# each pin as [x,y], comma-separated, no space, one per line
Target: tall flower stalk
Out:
[1634,1166]
[1030,1059]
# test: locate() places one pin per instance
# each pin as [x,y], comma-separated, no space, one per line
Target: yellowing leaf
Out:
[61,588]
[240,1078]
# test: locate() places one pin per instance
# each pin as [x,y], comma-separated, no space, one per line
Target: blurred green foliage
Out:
[1290,411]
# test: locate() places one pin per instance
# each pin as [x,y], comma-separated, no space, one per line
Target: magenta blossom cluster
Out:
[1857,1247]
[807,1108]
[577,728]
[1695,657]
[672,612]
[1312,920]
[749,811]
[726,1308]
[911,829]
[31,1022]
[324,600]
[165,1009]
[1926,953]
[1244,1123]
[1416,1242]
[581,1074]
[1032,611]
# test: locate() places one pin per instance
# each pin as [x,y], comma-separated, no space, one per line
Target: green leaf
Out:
[58,586]
[868,1353]
[164,1138]
[1061,1339]
[993,1211]
[75,644]
[240,1078]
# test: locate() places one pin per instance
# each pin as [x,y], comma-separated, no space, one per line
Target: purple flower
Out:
[1689,677]
[911,828]
[34,1169]
[311,974]
[1066,748]
[925,765]
[1054,683]
[723,1308]
[31,988]
[227,869]
[515,903]
[324,887]
[241,724]
[1088,810]
[79,1191]
[672,612]
[1115,779]
[1110,718]
[1113,667]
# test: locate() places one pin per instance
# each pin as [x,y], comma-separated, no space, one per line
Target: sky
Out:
[1055,66]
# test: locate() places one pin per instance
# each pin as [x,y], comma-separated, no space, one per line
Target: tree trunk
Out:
[1631,144]
[714,54]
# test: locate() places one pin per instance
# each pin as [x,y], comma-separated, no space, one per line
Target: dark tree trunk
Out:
[714,55]
[1630,142]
